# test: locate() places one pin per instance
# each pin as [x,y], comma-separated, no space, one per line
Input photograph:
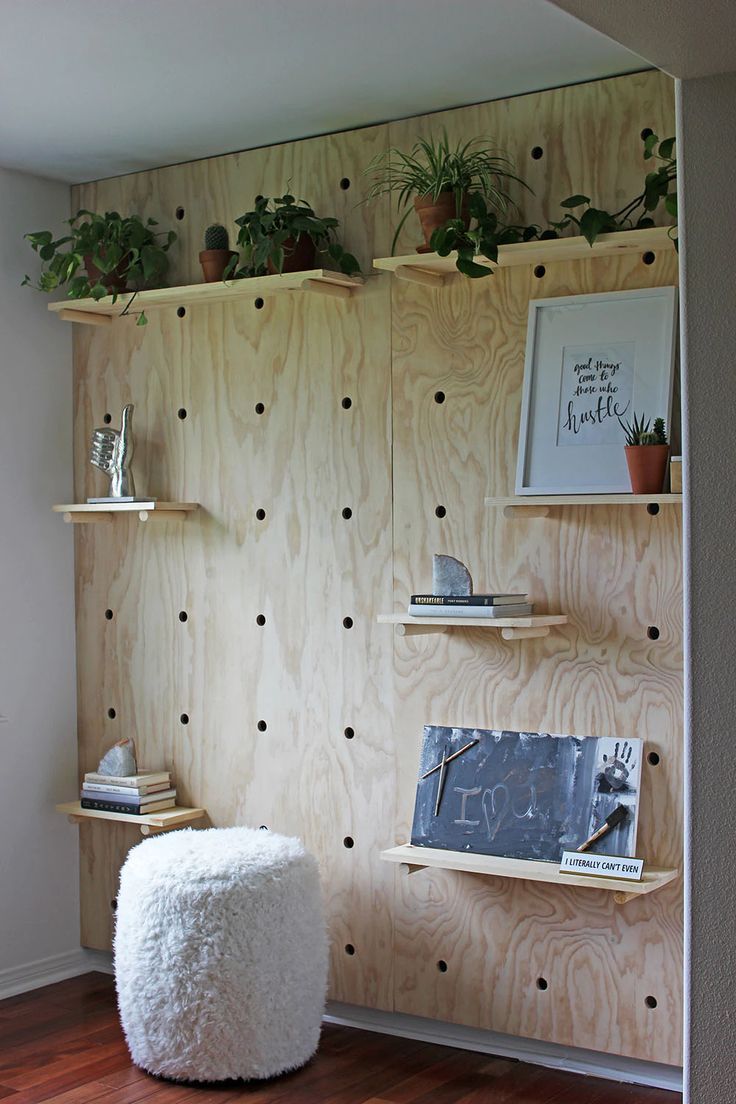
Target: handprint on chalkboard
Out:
[617,769]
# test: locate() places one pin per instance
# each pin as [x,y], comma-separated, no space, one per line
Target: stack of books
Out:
[470,605]
[137,795]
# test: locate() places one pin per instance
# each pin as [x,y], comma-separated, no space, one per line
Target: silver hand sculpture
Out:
[112,451]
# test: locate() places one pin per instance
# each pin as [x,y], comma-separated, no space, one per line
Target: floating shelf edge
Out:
[321,280]
[525,870]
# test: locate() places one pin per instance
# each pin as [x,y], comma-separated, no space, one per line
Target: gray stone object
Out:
[450,576]
[119,761]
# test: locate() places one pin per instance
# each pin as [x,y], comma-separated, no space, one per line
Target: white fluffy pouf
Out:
[220,954]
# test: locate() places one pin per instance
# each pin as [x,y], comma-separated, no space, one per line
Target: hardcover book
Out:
[467,599]
[143,778]
[131,798]
[521,609]
[129,810]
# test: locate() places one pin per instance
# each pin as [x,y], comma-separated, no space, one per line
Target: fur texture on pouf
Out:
[220,954]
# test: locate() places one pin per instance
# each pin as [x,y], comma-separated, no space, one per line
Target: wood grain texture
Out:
[391,457]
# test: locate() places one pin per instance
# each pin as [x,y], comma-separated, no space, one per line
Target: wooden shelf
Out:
[87,513]
[149,824]
[511,628]
[544,505]
[419,858]
[432,270]
[101,312]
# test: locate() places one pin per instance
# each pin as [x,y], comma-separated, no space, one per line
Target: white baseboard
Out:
[573,1059]
[45,971]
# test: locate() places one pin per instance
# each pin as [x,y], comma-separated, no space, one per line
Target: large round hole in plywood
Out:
[109,614]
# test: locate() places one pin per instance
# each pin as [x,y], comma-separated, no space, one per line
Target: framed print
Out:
[591,359]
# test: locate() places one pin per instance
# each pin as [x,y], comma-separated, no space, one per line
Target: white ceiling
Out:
[96,88]
[683,37]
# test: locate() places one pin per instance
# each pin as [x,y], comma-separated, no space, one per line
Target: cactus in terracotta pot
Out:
[647,453]
[216,255]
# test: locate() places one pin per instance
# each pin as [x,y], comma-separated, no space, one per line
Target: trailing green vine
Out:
[487,232]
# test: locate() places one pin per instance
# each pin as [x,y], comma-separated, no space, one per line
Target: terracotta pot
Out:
[114,281]
[436,212]
[647,467]
[214,263]
[298,255]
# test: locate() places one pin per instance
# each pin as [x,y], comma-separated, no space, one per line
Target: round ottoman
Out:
[220,954]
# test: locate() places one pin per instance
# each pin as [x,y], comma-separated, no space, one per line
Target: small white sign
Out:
[601,866]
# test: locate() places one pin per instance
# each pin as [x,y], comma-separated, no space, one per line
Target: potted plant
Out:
[114,253]
[481,235]
[217,254]
[284,235]
[647,452]
[441,179]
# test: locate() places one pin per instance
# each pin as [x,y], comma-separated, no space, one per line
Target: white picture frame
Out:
[588,359]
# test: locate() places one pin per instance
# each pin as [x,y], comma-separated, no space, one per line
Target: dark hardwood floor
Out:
[63,1044]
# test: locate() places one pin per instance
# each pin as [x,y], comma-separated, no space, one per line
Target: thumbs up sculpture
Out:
[112,451]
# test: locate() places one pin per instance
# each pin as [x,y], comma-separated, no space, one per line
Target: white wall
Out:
[707,167]
[38,755]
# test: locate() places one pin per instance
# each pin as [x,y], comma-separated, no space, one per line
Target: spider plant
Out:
[433,167]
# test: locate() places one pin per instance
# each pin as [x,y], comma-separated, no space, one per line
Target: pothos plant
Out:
[487,232]
[272,231]
[637,213]
[102,255]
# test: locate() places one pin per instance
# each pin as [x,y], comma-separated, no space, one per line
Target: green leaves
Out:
[637,213]
[594,222]
[267,230]
[433,166]
[575,201]
[125,246]
[638,431]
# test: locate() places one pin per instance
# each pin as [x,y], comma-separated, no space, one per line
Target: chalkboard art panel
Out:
[524,795]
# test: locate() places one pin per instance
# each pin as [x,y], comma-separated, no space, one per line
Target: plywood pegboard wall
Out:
[244,650]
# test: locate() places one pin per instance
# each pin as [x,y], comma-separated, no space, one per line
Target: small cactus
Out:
[216,237]
[649,439]
[659,431]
